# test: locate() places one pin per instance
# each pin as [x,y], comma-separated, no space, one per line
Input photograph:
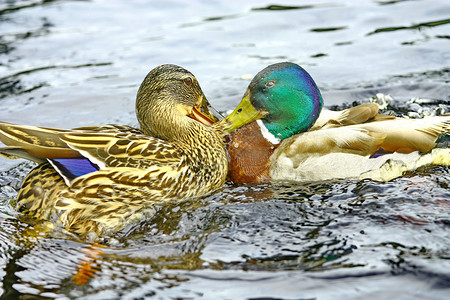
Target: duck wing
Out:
[355,115]
[83,150]
[348,139]
[41,143]
[408,135]
[33,143]
[393,135]
[137,173]
[402,135]
[104,145]
[123,149]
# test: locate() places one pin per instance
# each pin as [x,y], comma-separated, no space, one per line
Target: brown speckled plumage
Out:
[171,157]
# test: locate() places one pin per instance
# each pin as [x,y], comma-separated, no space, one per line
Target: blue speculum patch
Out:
[74,167]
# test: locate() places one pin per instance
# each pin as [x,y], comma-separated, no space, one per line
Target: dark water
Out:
[73,63]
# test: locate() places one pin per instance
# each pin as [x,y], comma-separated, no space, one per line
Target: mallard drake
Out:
[294,140]
[98,179]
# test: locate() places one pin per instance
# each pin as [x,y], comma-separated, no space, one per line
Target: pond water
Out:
[72,63]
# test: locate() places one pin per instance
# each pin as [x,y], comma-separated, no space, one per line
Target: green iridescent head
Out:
[284,96]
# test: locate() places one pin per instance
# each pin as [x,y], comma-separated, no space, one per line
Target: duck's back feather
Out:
[402,135]
[350,139]
[104,145]
[122,149]
[351,116]
[407,135]
[344,152]
[34,143]
[40,143]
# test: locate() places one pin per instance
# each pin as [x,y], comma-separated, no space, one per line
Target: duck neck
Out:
[204,152]
[267,134]
[194,135]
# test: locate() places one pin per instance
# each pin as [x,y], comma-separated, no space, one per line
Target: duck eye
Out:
[270,84]
[188,80]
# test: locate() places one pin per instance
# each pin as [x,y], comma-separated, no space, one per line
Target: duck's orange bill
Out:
[201,117]
[203,114]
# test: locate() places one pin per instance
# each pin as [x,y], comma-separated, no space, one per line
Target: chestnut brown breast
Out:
[249,155]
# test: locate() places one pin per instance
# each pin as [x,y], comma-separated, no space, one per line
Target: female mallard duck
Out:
[337,145]
[98,179]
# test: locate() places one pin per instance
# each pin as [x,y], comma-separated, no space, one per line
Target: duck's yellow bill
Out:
[243,114]
[202,114]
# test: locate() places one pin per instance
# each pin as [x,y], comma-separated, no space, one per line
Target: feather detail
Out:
[109,189]
[350,139]
[38,142]
[245,168]
[15,153]
[39,192]
[408,135]
[351,116]
[344,152]
[120,150]
[71,168]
